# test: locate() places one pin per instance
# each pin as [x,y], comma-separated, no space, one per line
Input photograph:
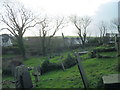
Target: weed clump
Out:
[48,66]
[69,61]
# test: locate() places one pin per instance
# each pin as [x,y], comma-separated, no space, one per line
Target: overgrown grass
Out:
[34,61]
[94,68]
[8,56]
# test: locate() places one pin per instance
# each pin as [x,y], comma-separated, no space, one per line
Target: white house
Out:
[5,40]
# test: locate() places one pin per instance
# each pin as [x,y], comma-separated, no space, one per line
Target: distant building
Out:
[5,40]
[73,41]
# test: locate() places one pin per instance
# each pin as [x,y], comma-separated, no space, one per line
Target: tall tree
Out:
[103,30]
[47,26]
[58,23]
[17,21]
[43,31]
[81,23]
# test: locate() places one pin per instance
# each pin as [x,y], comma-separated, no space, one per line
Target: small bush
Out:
[9,67]
[11,50]
[47,66]
[92,54]
[6,71]
[69,61]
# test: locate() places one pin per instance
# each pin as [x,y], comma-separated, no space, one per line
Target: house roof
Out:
[5,37]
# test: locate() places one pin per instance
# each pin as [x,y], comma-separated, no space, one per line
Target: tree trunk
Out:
[43,46]
[21,46]
[83,42]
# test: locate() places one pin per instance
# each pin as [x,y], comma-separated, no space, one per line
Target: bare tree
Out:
[115,23]
[43,31]
[47,26]
[58,24]
[17,21]
[103,30]
[81,23]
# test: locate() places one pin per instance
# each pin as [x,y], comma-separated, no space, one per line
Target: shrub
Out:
[6,71]
[48,66]
[92,54]
[9,67]
[69,61]
[11,50]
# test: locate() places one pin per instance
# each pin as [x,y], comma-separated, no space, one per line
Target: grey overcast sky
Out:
[98,10]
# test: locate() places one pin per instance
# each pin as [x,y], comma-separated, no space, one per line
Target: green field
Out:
[94,68]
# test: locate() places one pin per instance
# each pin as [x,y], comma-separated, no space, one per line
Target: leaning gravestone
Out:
[117,43]
[81,70]
[22,77]
[39,69]
[63,67]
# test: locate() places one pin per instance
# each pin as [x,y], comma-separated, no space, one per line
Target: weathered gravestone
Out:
[63,67]
[81,53]
[13,65]
[117,43]
[81,70]
[36,73]
[39,69]
[111,81]
[22,77]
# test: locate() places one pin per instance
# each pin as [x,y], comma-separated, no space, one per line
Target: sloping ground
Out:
[95,68]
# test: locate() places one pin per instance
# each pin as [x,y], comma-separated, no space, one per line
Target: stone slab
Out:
[111,79]
[81,53]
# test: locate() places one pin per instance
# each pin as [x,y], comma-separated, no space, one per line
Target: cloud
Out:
[66,7]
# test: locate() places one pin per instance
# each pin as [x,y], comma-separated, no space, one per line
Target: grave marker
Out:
[81,70]
[39,69]
[111,81]
[62,64]
[36,73]
[117,43]
[22,77]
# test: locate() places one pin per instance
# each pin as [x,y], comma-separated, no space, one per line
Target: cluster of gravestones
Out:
[94,54]
[23,78]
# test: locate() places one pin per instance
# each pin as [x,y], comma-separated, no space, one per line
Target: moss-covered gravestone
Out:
[36,73]
[22,77]
[117,44]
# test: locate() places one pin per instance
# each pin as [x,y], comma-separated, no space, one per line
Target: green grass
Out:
[55,59]
[102,47]
[34,61]
[8,56]
[109,53]
[94,68]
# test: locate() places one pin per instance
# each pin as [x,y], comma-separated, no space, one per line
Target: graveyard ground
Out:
[95,68]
